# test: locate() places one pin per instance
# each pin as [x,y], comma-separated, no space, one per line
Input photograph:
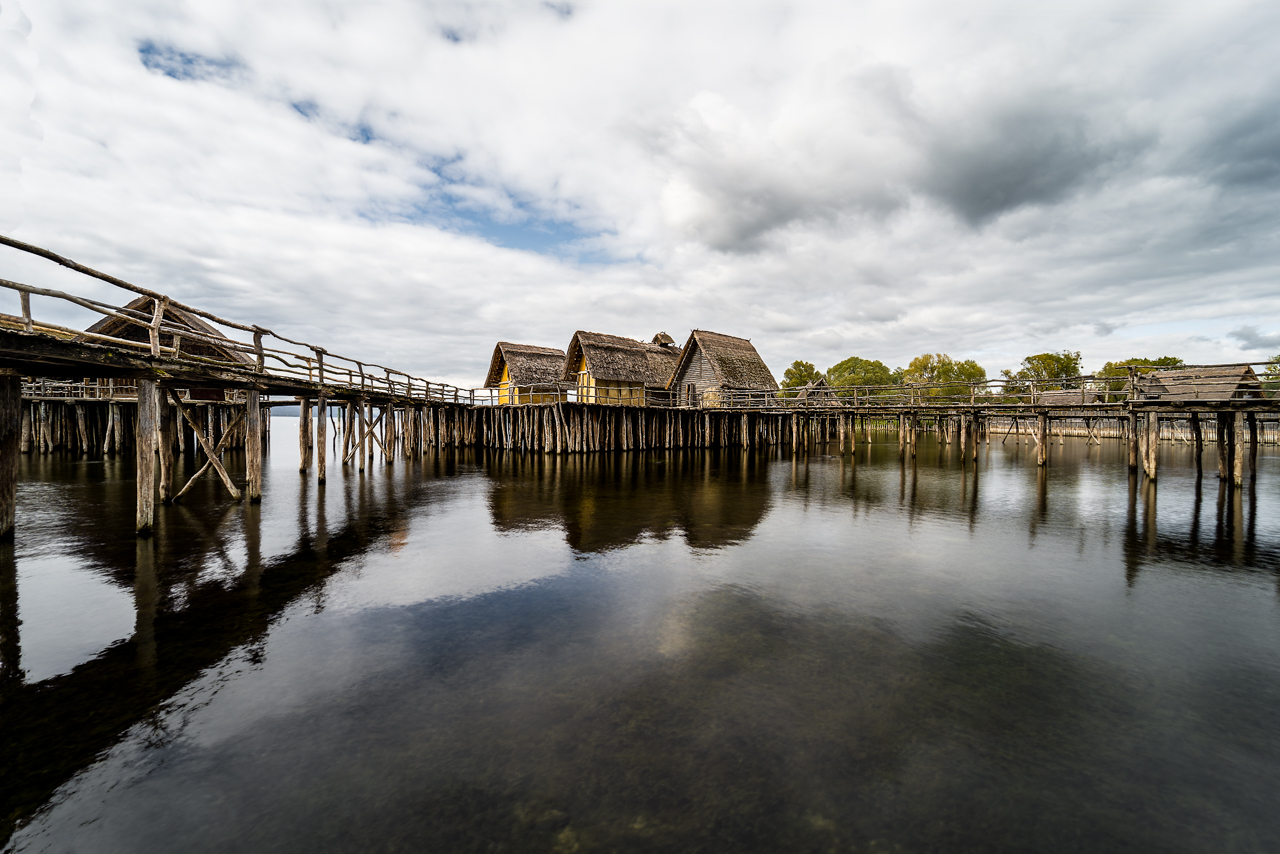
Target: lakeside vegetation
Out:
[946,376]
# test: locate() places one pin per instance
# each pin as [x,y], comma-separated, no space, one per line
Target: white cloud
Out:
[882,180]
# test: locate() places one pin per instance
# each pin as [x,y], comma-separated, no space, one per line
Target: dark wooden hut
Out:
[144,307]
[611,369]
[1220,382]
[712,364]
[524,373]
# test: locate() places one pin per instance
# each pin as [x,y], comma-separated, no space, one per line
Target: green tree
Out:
[800,374]
[854,371]
[1121,369]
[1046,370]
[1271,379]
[941,371]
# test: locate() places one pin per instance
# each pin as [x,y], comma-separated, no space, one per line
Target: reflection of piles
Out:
[605,502]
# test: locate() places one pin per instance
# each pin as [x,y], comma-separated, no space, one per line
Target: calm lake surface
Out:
[710,652]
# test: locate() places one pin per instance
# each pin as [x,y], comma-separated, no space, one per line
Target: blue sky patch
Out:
[184,65]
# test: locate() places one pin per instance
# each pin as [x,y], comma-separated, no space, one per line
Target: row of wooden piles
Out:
[101,428]
[360,429]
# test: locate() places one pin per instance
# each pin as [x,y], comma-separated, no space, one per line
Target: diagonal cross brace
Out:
[209,452]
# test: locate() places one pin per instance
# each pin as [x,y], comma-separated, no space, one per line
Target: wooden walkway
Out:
[159,377]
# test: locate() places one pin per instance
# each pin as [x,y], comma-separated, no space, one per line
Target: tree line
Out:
[1047,371]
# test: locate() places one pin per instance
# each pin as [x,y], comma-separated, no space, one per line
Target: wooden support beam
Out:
[209,452]
[11,418]
[145,444]
[1133,441]
[304,434]
[253,445]
[322,423]
[1237,458]
[1151,445]
[1225,438]
[168,438]
[1042,439]
[1197,435]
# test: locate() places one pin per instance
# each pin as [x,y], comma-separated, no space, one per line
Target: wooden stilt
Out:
[11,419]
[167,441]
[1237,457]
[253,445]
[1042,439]
[145,444]
[304,434]
[1197,435]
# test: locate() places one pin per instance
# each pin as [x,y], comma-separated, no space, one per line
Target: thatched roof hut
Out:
[712,362]
[525,373]
[1069,397]
[118,328]
[524,365]
[1221,382]
[613,369]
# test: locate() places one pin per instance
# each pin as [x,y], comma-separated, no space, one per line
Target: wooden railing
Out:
[252,350]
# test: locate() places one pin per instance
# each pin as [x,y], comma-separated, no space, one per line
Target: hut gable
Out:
[711,359]
[1222,382]
[117,328]
[611,358]
[526,365]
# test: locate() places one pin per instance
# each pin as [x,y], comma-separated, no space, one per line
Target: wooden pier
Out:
[157,378]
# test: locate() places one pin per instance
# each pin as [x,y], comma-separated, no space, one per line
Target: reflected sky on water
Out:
[718,651]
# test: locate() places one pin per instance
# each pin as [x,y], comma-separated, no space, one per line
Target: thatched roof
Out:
[1215,383]
[617,359]
[735,361]
[117,328]
[663,359]
[528,365]
[1069,396]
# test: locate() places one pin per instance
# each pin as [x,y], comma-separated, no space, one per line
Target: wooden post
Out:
[1133,440]
[1197,436]
[1151,445]
[24,442]
[1253,444]
[1225,437]
[253,445]
[1237,458]
[360,434]
[1042,439]
[168,439]
[11,417]
[304,434]
[145,443]
[322,423]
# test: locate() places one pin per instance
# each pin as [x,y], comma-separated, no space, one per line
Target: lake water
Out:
[704,652]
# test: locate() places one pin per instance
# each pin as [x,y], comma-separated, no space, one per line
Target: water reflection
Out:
[605,501]
[719,652]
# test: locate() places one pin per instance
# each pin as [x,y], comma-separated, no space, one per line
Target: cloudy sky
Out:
[409,181]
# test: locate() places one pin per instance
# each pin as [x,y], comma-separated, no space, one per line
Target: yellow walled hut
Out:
[610,369]
[523,373]
[712,367]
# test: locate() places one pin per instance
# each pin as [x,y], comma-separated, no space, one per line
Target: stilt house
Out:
[621,371]
[1222,382]
[523,373]
[143,308]
[713,367]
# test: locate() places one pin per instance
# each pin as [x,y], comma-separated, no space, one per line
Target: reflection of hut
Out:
[1225,382]
[615,370]
[523,373]
[143,307]
[601,503]
[712,363]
